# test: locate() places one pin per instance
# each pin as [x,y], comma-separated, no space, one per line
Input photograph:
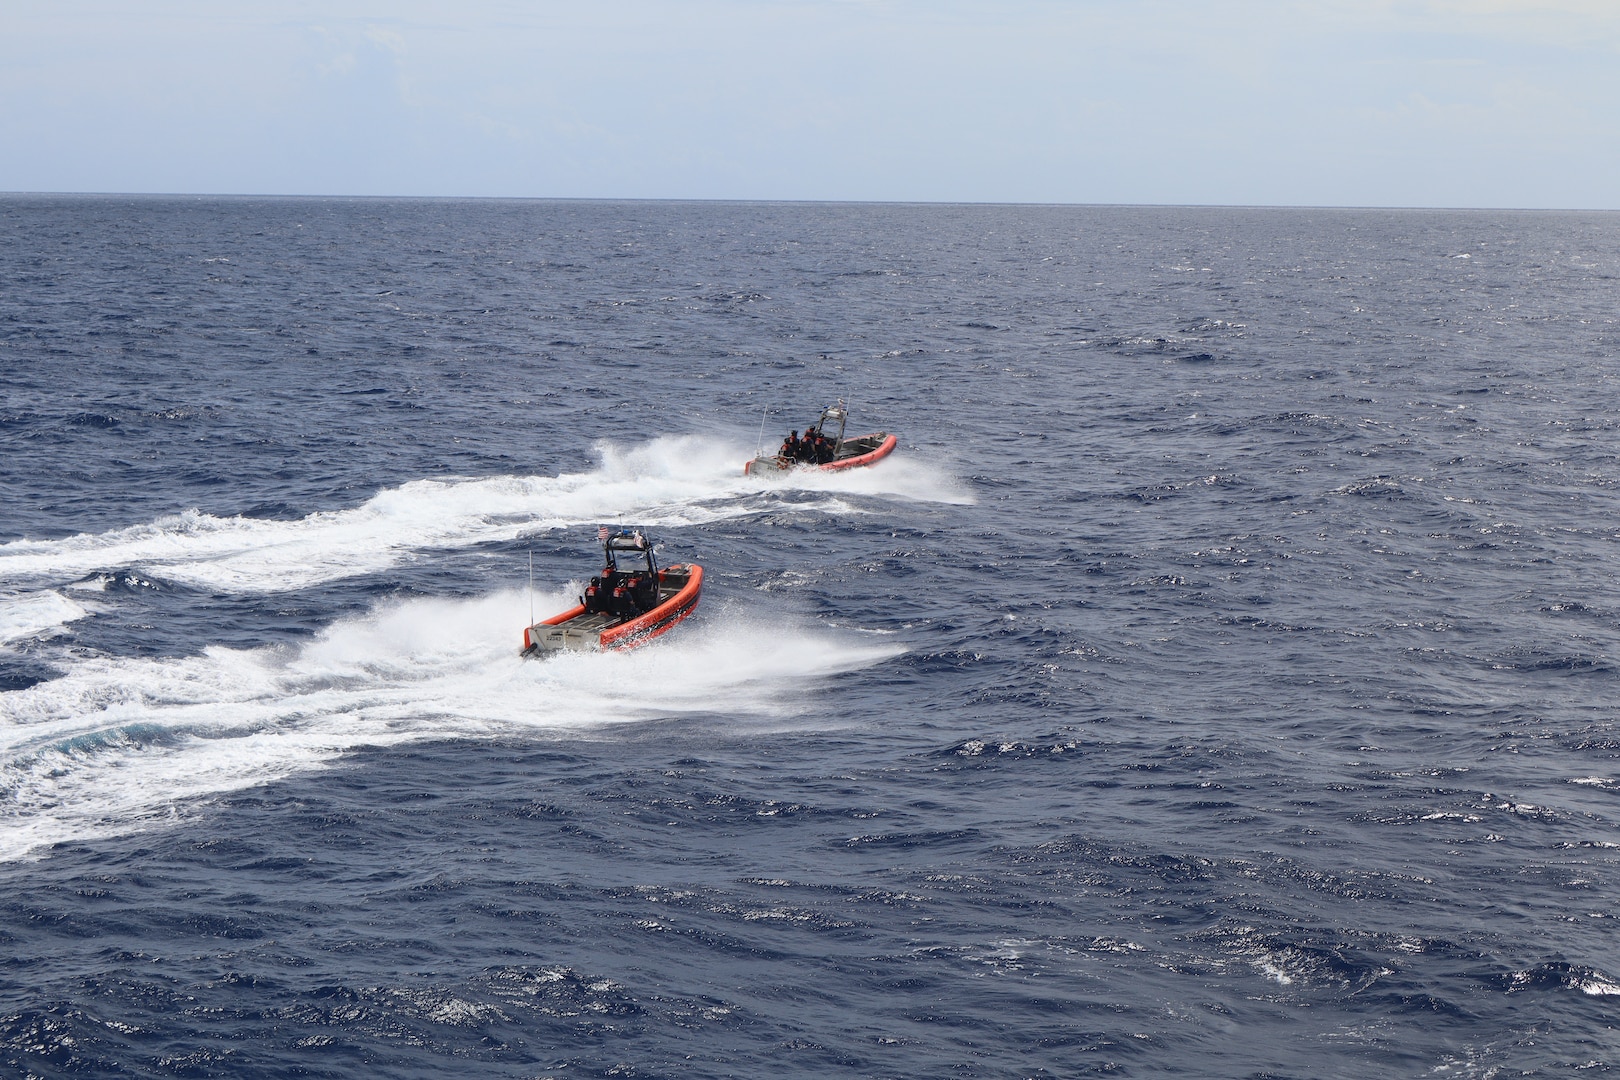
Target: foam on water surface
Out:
[36,614]
[117,745]
[669,482]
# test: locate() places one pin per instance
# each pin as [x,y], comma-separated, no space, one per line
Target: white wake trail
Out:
[118,745]
[669,482]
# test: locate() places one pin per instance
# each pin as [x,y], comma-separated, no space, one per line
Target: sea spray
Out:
[668,482]
[118,743]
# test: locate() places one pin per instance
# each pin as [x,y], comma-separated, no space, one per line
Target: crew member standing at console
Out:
[823,449]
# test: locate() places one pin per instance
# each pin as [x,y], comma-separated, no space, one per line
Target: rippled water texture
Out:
[1217,682]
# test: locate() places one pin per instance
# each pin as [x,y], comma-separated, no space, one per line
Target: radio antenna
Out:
[531,586]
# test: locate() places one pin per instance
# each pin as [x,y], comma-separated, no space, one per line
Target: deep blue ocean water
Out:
[1219,681]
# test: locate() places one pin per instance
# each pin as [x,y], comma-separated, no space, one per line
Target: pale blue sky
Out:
[1377,102]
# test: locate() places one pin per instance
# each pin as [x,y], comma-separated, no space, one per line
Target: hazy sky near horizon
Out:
[1495,103]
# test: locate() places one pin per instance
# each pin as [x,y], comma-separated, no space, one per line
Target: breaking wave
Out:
[36,614]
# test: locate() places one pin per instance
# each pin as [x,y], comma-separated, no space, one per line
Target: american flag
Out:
[602,532]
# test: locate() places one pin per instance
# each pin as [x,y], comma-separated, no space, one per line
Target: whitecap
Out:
[36,614]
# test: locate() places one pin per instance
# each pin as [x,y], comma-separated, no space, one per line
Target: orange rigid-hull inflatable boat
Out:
[841,452]
[621,608]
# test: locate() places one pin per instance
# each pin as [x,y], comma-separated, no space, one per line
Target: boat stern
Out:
[765,465]
[542,639]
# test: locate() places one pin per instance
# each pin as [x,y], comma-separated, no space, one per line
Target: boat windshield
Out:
[631,542]
[831,422]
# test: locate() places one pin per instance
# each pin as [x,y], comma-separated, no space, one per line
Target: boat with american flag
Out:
[631,602]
